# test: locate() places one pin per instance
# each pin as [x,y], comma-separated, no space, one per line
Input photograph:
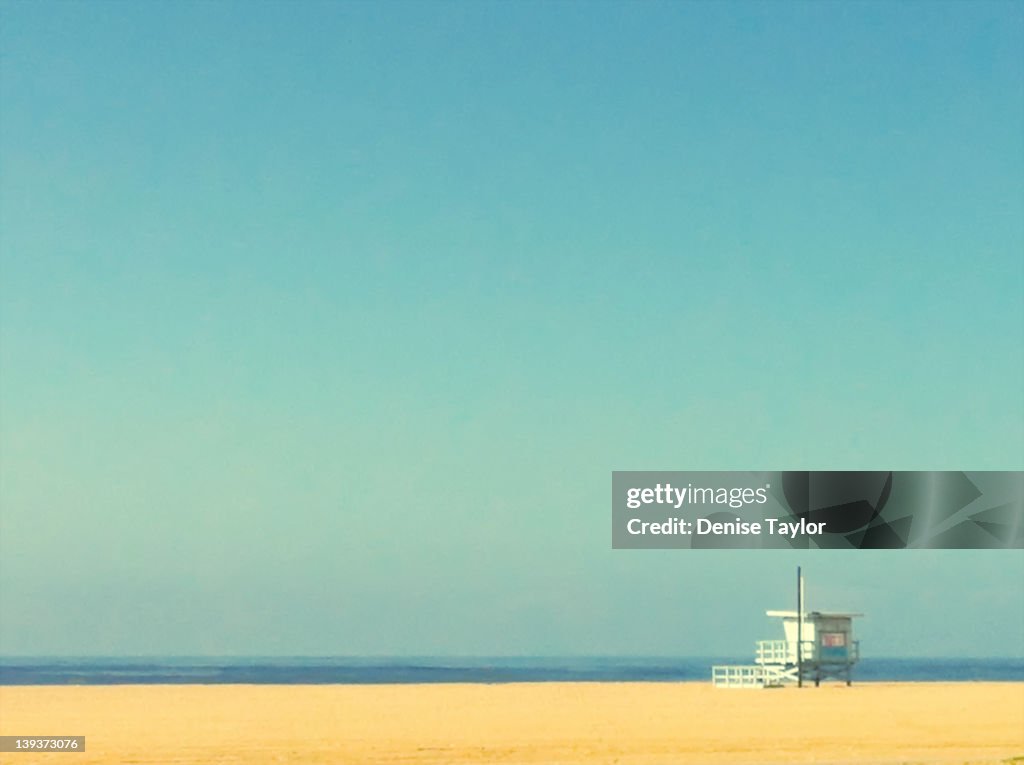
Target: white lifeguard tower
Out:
[827,649]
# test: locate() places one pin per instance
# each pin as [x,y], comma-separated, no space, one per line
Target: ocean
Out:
[369,671]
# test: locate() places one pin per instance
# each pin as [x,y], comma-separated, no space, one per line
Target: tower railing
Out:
[784,652]
[738,676]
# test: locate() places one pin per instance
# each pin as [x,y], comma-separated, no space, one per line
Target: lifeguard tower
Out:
[817,646]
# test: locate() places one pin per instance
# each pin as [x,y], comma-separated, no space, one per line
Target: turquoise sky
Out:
[323,325]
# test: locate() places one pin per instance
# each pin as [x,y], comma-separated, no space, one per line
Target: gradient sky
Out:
[323,325]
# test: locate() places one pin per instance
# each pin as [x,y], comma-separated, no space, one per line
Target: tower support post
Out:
[799,629]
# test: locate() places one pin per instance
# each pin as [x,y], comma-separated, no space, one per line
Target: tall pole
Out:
[799,629]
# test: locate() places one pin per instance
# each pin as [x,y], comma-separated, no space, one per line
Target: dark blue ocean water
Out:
[112,671]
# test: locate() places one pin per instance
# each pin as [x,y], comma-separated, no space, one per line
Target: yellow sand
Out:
[523,723]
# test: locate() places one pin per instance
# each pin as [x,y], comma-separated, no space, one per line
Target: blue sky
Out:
[323,325]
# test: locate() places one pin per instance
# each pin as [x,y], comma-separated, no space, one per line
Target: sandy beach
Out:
[624,723]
